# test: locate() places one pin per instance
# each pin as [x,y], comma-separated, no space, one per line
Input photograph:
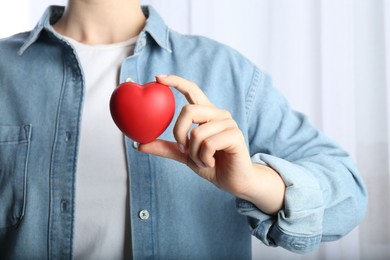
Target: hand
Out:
[215,149]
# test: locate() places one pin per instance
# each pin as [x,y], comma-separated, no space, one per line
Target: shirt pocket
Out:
[14,151]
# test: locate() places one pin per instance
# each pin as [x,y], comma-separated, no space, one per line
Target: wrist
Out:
[265,188]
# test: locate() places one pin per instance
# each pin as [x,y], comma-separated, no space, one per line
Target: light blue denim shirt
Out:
[41,100]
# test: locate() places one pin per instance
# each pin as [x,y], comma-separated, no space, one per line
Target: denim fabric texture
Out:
[41,102]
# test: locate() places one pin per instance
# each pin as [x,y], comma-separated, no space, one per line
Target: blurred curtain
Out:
[331,59]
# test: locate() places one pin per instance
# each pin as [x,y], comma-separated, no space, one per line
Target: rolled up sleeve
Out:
[325,197]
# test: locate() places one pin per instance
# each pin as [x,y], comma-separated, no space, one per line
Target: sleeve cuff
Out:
[298,227]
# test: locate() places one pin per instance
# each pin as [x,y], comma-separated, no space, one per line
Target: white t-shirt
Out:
[102,223]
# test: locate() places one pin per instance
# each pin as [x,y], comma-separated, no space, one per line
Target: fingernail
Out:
[201,165]
[181,148]
[162,76]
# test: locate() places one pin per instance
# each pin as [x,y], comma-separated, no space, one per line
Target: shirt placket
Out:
[63,163]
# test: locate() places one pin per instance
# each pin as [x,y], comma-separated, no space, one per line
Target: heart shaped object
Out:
[142,112]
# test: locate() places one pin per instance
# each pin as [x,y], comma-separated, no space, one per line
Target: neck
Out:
[101,21]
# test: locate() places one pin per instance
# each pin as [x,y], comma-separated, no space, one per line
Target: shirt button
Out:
[129,80]
[143,42]
[75,76]
[143,214]
[67,136]
[135,145]
[64,205]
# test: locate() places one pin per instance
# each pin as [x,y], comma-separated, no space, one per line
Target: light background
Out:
[331,60]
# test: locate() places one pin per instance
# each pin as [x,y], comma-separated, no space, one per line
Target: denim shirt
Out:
[174,213]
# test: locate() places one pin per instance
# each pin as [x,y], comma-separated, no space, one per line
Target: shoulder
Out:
[207,48]
[9,50]
[212,57]
[13,43]
[9,54]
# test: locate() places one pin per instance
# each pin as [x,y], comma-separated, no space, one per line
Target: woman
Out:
[73,188]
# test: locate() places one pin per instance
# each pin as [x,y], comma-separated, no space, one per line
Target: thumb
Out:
[164,149]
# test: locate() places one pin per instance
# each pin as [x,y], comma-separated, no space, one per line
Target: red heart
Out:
[142,112]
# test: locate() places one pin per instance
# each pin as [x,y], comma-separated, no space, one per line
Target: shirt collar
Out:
[154,26]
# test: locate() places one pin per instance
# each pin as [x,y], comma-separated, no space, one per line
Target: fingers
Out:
[212,123]
[209,138]
[229,141]
[216,128]
[206,140]
[195,114]
[190,90]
